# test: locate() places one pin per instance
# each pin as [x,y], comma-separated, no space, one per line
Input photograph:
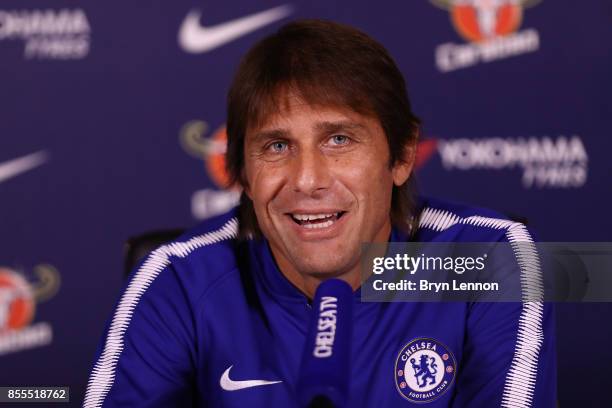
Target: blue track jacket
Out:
[209,321]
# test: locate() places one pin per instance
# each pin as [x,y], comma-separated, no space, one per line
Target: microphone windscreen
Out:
[325,368]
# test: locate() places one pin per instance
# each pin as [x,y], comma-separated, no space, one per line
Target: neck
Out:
[308,283]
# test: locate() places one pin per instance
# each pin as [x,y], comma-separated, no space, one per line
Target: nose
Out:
[311,172]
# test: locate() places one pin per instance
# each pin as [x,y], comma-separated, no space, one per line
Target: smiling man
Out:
[321,185]
[321,138]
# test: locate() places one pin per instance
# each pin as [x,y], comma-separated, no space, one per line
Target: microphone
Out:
[325,367]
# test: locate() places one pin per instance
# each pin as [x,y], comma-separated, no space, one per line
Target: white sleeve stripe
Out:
[521,377]
[103,373]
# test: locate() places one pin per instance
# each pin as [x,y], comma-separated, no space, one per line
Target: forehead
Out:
[291,109]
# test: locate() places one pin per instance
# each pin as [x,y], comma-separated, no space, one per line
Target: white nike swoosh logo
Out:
[230,385]
[195,38]
[15,167]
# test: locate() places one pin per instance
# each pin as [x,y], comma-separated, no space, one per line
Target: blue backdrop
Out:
[111,124]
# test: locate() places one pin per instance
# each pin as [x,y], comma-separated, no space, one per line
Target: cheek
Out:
[367,176]
[264,182]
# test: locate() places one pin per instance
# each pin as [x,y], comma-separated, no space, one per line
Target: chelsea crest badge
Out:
[424,370]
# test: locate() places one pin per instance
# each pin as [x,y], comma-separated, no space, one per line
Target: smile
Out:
[314,221]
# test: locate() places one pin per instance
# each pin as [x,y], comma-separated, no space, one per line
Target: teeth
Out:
[319,225]
[311,217]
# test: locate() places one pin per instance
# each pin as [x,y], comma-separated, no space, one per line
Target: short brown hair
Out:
[328,64]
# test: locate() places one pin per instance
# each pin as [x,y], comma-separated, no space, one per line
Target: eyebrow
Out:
[264,135]
[320,127]
[332,127]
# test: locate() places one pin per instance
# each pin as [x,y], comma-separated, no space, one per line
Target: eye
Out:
[277,147]
[340,140]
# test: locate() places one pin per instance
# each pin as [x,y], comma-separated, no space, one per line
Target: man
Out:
[322,139]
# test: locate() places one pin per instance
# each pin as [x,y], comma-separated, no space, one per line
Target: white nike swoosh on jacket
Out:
[230,385]
[15,167]
[195,38]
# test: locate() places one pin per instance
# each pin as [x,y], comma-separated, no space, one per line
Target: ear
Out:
[403,166]
[247,191]
[243,183]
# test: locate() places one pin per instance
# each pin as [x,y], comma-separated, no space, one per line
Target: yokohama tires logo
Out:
[545,162]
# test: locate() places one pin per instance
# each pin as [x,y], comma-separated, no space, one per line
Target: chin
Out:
[333,266]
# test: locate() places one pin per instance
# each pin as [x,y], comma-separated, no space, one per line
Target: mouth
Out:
[316,221]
